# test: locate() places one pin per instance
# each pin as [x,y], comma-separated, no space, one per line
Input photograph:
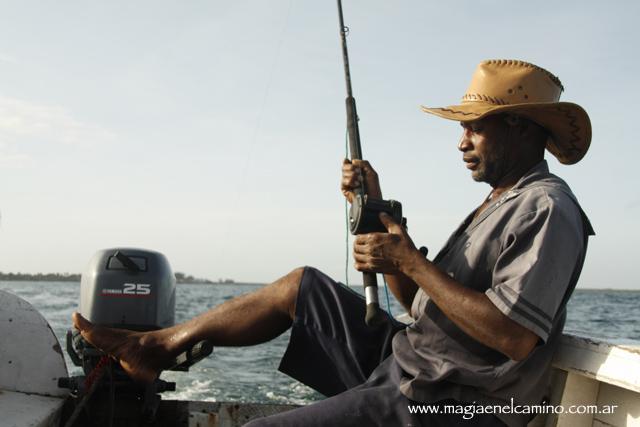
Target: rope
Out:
[97,372]
[91,384]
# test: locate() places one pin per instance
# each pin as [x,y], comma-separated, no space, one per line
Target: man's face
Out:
[486,148]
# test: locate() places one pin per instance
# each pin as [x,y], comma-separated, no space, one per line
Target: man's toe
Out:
[80,323]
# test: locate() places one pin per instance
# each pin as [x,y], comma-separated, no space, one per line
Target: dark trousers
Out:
[333,351]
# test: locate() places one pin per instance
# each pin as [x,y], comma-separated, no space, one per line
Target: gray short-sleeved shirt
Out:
[525,252]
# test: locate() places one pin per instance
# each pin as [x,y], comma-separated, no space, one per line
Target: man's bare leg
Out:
[246,320]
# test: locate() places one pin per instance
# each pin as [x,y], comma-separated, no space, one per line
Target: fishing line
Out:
[346,217]
[276,57]
[256,129]
[386,292]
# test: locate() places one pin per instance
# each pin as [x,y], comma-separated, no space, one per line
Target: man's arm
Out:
[403,288]
[470,310]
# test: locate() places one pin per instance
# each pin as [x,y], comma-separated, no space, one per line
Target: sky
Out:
[213,131]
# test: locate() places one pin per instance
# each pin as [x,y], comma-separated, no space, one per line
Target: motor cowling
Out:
[129,288]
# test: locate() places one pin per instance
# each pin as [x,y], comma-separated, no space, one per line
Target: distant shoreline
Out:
[40,277]
[181,279]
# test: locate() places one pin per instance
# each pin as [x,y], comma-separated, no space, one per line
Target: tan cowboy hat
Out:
[524,89]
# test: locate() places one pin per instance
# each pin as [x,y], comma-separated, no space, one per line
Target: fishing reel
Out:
[364,214]
[364,217]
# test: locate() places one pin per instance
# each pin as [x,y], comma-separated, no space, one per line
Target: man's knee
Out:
[297,274]
[290,286]
[292,283]
[293,280]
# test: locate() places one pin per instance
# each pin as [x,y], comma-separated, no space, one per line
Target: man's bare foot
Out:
[142,355]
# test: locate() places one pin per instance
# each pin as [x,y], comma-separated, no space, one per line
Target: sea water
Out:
[250,374]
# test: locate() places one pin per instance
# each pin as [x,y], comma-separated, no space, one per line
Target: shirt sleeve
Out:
[540,253]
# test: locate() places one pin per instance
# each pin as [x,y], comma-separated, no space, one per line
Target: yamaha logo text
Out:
[129,290]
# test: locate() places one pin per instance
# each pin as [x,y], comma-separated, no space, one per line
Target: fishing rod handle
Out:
[375,316]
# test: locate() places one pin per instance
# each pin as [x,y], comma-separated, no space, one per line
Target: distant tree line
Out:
[68,277]
[184,278]
[40,277]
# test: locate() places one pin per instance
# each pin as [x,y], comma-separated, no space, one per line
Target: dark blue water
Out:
[250,374]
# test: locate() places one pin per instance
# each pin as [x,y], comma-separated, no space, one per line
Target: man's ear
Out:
[533,131]
[512,120]
[517,124]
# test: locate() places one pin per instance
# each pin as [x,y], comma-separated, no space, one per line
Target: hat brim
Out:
[568,124]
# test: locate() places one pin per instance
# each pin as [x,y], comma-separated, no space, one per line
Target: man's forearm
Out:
[470,310]
[403,288]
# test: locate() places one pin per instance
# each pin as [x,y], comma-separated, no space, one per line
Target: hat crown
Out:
[508,82]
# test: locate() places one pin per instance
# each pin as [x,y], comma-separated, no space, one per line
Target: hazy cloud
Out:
[14,160]
[22,119]
[7,59]
[632,205]
[9,158]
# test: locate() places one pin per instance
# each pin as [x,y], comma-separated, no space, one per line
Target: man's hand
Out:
[384,252]
[354,173]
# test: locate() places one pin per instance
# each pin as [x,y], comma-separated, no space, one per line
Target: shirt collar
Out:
[535,174]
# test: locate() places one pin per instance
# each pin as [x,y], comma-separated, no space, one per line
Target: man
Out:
[488,310]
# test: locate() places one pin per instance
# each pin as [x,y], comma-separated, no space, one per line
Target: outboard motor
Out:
[131,289]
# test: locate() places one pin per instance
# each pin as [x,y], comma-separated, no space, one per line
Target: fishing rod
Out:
[365,210]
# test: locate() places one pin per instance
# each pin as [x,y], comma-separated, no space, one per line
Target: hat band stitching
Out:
[457,112]
[575,129]
[482,97]
[519,63]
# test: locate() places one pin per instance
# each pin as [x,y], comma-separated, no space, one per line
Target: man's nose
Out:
[465,141]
